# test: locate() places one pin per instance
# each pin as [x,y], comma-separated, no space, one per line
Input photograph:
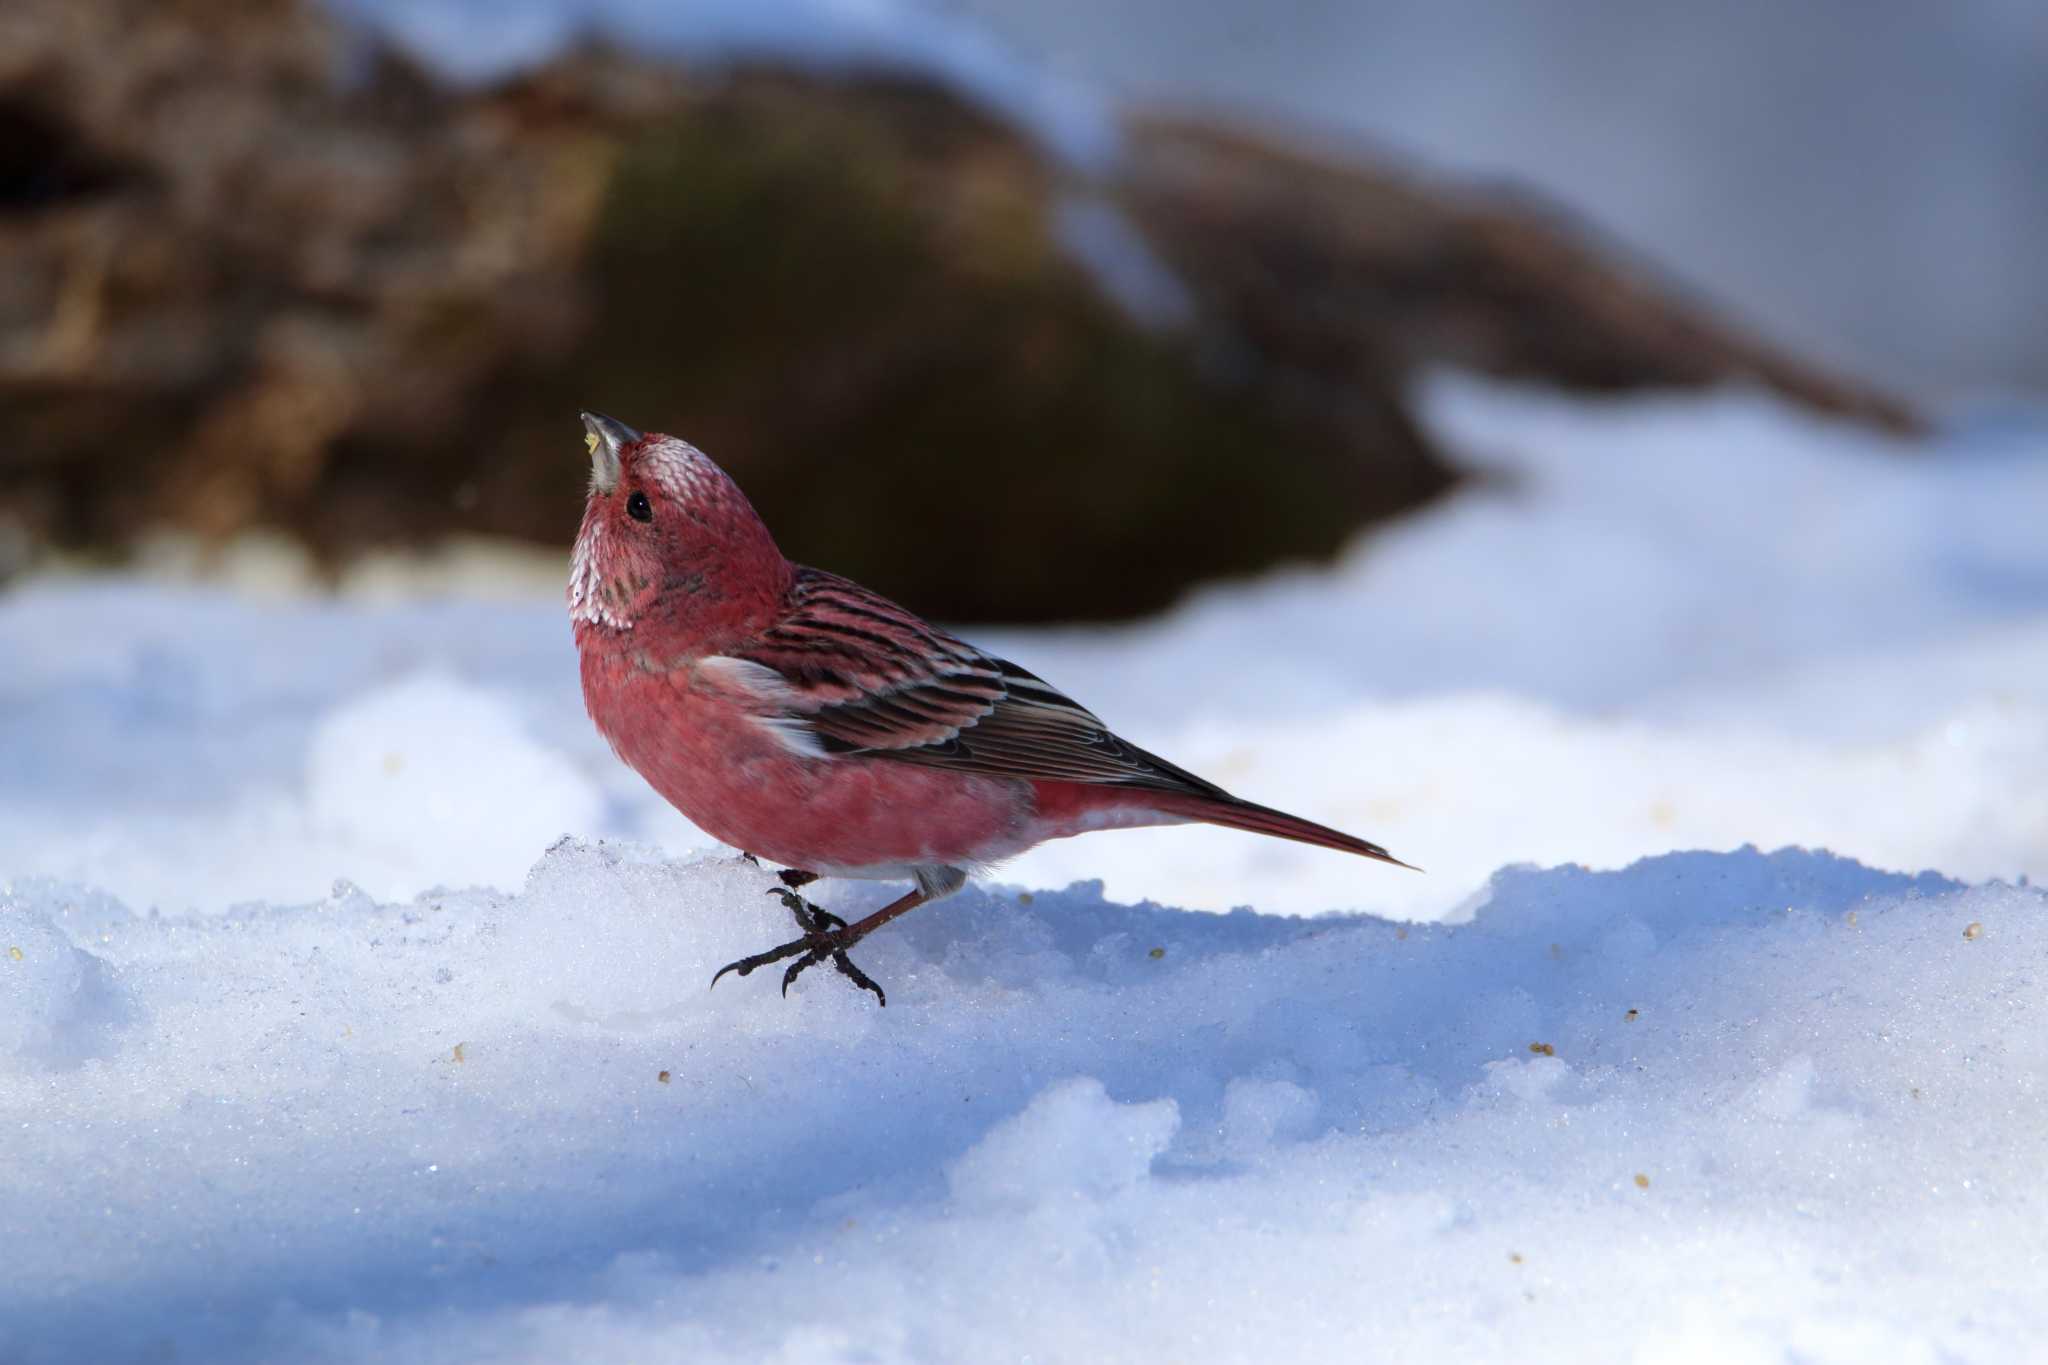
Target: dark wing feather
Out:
[867,677]
[864,675]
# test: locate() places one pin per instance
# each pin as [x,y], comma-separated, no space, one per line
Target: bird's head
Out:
[668,542]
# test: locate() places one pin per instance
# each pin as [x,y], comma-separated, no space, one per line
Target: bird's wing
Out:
[847,672]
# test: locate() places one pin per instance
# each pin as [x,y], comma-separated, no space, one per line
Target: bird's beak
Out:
[607,439]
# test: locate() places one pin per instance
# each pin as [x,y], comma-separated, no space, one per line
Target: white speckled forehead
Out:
[680,469]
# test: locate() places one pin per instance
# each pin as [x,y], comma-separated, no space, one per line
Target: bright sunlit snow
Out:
[356,998]
[1660,624]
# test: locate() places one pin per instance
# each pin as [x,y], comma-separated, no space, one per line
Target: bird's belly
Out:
[851,816]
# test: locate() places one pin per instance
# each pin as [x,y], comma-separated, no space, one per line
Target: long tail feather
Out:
[1244,815]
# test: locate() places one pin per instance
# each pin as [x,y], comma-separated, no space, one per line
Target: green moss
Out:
[850,297]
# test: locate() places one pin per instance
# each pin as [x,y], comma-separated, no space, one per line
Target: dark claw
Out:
[812,919]
[822,939]
[859,977]
[840,960]
[747,964]
[796,968]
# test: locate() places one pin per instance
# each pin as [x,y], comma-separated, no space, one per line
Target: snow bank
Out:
[1658,624]
[431,765]
[1729,1107]
[1720,1106]
[484,39]
[1665,623]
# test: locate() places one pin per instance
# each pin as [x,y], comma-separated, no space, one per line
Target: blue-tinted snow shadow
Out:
[992,1000]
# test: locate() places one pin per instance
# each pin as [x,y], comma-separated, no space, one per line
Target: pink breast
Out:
[735,780]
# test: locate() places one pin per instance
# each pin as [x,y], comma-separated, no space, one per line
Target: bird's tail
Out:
[1235,814]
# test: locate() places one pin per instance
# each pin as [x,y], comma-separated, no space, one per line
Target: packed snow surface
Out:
[356,997]
[1750,1107]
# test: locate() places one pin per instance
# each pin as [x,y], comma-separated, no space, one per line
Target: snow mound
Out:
[427,767]
[480,40]
[1720,1106]
[59,1001]
[1667,623]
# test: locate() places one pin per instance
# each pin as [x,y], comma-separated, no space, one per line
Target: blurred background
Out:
[1516,432]
[1120,271]
[1551,432]
[1858,180]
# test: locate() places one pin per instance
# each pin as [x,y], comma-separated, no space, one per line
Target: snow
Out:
[1659,624]
[1103,241]
[400,761]
[356,996]
[480,40]
[438,1130]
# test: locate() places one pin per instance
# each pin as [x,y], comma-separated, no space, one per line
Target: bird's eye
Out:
[639,508]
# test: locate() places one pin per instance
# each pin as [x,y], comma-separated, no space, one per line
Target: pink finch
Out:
[796,715]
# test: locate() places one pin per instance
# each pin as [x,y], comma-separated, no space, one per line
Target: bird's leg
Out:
[794,877]
[809,914]
[825,936]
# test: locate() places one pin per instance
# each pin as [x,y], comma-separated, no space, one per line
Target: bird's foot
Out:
[824,938]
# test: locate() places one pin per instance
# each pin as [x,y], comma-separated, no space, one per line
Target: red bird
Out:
[796,715]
